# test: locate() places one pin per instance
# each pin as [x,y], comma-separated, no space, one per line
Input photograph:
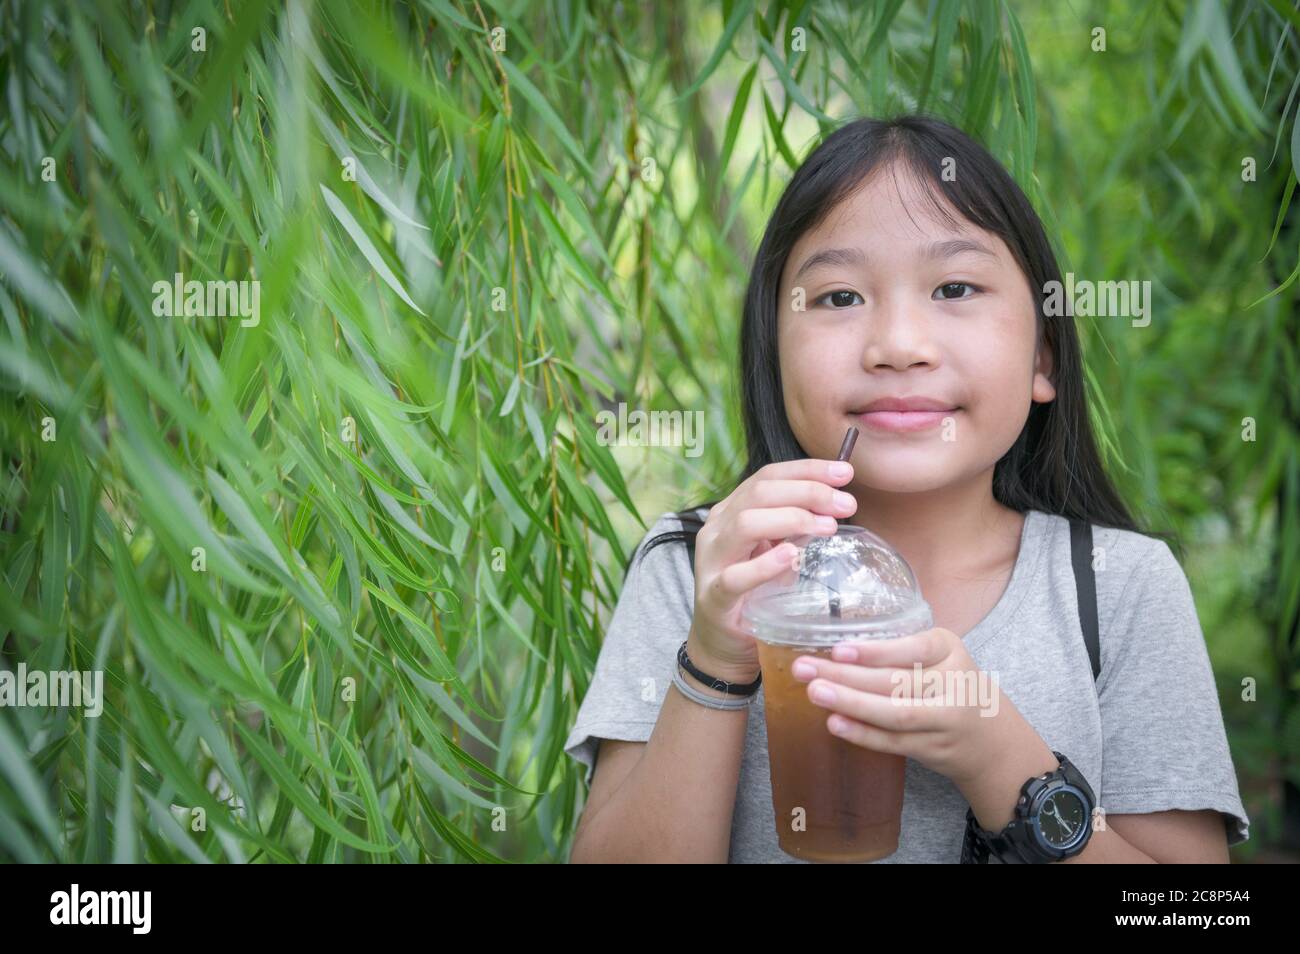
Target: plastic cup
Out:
[835,801]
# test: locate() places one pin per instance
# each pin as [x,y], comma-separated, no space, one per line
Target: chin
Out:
[913,484]
[909,479]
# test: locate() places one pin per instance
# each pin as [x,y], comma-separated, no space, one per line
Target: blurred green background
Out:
[345,568]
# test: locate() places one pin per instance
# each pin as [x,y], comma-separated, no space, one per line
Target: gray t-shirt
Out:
[1148,736]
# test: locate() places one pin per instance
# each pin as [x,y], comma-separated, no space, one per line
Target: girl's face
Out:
[897,304]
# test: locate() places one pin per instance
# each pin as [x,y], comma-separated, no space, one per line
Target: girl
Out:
[899,287]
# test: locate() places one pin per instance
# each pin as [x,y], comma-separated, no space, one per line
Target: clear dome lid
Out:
[850,585]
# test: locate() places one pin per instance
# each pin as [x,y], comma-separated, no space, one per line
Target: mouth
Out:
[904,415]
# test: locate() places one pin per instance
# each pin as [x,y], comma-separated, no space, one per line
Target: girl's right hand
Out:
[740,546]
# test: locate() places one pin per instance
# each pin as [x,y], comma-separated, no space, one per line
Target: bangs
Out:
[978,190]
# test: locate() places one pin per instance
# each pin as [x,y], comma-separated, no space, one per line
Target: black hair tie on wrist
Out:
[730,688]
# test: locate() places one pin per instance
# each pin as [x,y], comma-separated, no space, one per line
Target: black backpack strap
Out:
[691,527]
[1085,585]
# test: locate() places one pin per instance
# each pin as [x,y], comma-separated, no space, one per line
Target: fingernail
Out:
[841,468]
[842,653]
[827,524]
[824,694]
[843,501]
[803,670]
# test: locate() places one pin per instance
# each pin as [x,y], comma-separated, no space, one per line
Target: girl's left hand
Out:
[921,696]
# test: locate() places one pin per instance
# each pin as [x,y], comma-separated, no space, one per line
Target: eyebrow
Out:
[832,256]
[954,247]
[855,256]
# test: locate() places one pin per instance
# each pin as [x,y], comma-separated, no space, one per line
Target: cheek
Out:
[995,359]
[808,372]
[813,344]
[803,356]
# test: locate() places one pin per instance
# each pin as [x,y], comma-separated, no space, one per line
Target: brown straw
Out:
[846,448]
[847,828]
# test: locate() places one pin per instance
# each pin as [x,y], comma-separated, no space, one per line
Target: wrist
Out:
[1050,821]
[992,793]
[728,671]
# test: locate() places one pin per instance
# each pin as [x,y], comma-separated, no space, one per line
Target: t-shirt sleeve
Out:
[1164,745]
[650,621]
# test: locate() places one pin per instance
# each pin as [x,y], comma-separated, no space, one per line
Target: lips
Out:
[908,404]
[904,415]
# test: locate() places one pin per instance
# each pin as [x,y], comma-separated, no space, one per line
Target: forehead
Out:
[893,210]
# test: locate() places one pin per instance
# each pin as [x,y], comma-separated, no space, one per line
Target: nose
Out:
[898,334]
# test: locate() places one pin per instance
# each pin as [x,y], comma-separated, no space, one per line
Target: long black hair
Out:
[1054,465]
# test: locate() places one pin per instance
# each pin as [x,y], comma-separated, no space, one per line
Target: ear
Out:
[1044,367]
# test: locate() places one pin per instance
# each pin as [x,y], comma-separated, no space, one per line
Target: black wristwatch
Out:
[1053,822]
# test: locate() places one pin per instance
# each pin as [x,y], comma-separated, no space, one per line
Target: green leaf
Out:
[288,783]
[366,246]
[546,112]
[739,14]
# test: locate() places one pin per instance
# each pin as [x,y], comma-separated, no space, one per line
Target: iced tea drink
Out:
[834,800]
[851,798]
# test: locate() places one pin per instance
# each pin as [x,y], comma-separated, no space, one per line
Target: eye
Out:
[839,296]
[957,286]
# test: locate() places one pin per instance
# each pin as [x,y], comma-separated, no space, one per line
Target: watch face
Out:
[1061,818]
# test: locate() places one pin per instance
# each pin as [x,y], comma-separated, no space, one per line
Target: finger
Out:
[896,714]
[878,679]
[813,495]
[928,647]
[867,736]
[836,473]
[833,473]
[749,527]
[739,578]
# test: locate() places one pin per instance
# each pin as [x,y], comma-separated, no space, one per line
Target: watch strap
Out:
[982,847]
[1014,844]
